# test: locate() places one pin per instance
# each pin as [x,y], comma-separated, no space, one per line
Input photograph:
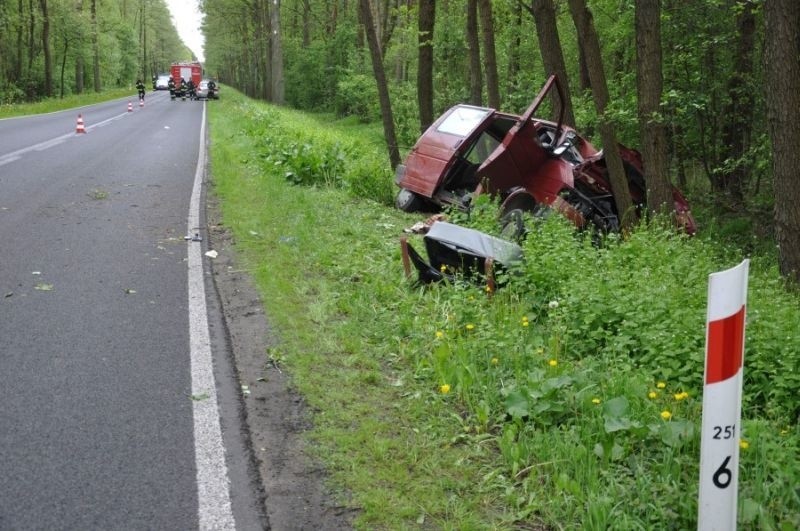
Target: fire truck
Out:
[187,71]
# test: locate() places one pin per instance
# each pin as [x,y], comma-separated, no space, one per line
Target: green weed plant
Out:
[569,398]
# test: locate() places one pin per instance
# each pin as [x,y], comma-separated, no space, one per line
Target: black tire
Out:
[512,225]
[408,201]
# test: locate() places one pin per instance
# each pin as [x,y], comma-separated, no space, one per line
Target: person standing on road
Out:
[140,88]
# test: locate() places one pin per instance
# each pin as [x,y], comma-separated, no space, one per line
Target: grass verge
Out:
[569,399]
[59,104]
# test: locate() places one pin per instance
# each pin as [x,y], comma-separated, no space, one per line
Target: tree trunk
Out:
[95,48]
[31,35]
[63,67]
[48,59]
[277,53]
[489,55]
[474,52]
[20,36]
[427,17]
[738,114]
[544,16]
[79,65]
[649,82]
[782,74]
[514,51]
[380,78]
[590,43]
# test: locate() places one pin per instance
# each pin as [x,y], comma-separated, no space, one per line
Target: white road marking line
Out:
[41,146]
[213,495]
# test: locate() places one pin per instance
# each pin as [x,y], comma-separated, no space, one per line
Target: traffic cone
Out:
[80,128]
[141,103]
[130,107]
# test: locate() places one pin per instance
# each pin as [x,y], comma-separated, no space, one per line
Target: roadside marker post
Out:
[722,399]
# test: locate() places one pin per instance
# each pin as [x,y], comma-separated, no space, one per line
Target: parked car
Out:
[162,82]
[202,91]
[531,164]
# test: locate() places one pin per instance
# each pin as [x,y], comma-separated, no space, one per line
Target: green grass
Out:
[571,398]
[59,104]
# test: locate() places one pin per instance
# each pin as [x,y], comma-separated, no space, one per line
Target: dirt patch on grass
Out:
[276,415]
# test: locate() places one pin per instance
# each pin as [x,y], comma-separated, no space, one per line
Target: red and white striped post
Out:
[722,399]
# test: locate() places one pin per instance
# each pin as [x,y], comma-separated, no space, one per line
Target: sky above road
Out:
[187,18]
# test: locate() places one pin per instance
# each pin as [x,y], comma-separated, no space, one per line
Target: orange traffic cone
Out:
[130,107]
[80,128]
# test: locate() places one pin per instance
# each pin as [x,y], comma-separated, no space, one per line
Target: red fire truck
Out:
[187,71]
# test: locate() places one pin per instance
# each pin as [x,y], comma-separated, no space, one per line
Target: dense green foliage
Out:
[570,398]
[134,39]
[327,69]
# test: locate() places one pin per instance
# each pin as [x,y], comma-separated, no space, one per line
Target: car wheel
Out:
[512,222]
[408,201]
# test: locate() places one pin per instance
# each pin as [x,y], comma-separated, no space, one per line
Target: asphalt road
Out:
[104,423]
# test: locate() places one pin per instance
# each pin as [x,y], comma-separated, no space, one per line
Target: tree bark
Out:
[782,69]
[426,22]
[544,17]
[489,55]
[380,78]
[738,114]
[649,82]
[277,53]
[474,52]
[590,43]
[79,64]
[95,48]
[48,57]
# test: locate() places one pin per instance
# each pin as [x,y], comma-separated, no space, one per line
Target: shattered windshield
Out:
[463,120]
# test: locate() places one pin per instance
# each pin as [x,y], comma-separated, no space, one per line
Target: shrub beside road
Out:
[569,398]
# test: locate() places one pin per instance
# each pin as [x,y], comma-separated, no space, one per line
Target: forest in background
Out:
[721,79]
[55,48]
[708,90]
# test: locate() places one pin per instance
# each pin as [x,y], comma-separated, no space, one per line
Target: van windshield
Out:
[463,120]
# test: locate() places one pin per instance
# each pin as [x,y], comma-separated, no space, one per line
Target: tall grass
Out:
[570,398]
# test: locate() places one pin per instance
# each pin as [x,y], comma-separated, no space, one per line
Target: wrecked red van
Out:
[529,163]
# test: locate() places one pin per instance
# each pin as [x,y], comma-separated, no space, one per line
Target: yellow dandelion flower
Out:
[595,401]
[444,388]
[470,326]
[666,415]
[524,323]
[652,395]
[443,268]
[680,396]
[553,363]
[439,334]
[744,445]
[495,361]
[661,385]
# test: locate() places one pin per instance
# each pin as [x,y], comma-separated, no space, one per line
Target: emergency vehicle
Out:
[187,71]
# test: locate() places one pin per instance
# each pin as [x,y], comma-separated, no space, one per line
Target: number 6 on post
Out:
[722,399]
